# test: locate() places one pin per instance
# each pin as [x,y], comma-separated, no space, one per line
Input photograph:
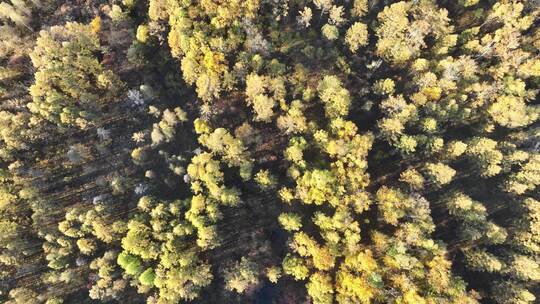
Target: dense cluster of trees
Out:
[318,151]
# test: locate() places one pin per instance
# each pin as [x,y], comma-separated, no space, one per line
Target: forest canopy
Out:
[270,151]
